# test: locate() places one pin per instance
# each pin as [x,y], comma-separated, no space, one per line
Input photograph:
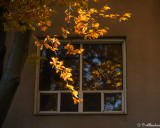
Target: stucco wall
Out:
[142,33]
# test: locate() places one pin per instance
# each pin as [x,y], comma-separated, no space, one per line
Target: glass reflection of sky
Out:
[97,59]
[87,67]
[117,69]
[86,75]
[53,86]
[44,54]
[112,102]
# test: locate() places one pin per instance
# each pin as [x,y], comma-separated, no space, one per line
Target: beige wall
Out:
[143,74]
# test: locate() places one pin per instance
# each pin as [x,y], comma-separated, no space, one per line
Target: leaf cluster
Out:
[22,15]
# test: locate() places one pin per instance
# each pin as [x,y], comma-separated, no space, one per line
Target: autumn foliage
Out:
[22,15]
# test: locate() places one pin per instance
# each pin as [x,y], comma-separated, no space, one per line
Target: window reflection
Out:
[102,67]
[48,102]
[112,102]
[67,104]
[101,73]
[92,102]
[49,79]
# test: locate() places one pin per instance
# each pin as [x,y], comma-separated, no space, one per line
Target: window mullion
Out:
[80,105]
[38,107]
[123,102]
[124,97]
[102,101]
[59,102]
[81,64]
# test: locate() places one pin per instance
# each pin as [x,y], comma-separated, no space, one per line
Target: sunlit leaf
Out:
[106,7]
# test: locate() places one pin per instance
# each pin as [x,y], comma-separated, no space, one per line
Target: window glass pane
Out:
[92,102]
[112,102]
[67,103]
[49,79]
[48,102]
[102,67]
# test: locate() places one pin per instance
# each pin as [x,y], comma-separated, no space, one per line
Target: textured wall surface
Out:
[142,33]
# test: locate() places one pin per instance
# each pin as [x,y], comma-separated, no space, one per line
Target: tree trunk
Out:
[2,42]
[11,76]
[2,49]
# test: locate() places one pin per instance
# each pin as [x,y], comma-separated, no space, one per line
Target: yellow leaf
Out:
[64,36]
[114,16]
[122,18]
[106,7]
[96,0]
[70,87]
[109,81]
[66,11]
[40,24]
[92,10]
[85,37]
[118,84]
[67,32]
[127,14]
[75,4]
[75,93]
[96,25]
[118,73]
[91,30]
[68,69]
[104,30]
[107,16]
[81,50]
[31,27]
[101,14]
[48,37]
[101,33]
[107,28]
[102,11]
[63,30]
[48,23]
[57,70]
[43,28]
[47,46]
[70,79]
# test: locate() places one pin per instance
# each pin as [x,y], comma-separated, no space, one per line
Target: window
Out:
[99,75]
